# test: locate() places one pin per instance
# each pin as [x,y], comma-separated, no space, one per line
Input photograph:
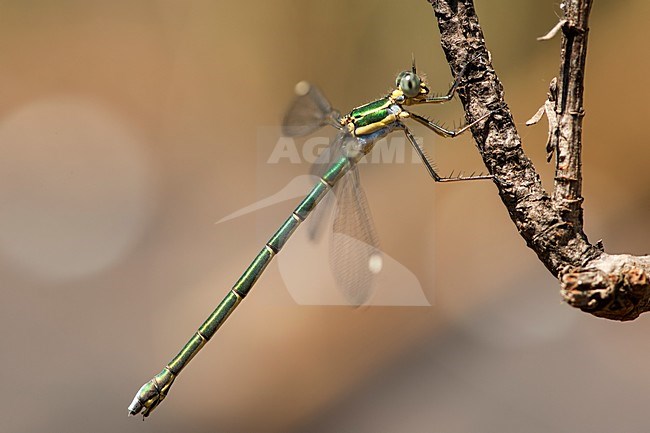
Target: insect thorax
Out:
[374,120]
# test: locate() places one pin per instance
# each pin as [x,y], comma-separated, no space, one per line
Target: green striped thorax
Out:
[376,119]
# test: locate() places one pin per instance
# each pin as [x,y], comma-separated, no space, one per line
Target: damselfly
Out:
[336,169]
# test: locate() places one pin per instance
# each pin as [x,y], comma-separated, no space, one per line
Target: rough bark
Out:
[610,286]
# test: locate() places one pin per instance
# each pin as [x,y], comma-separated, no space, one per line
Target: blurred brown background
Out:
[128,128]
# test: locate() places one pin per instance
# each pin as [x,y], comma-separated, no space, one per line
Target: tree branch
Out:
[568,170]
[610,286]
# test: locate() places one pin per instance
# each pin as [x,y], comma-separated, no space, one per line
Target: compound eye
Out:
[409,83]
[401,75]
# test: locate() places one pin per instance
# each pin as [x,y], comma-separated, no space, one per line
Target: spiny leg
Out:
[430,166]
[452,90]
[444,132]
[425,158]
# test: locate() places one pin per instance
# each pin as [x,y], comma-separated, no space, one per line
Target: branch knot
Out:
[620,294]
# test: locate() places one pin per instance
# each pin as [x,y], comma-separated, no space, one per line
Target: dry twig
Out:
[611,286]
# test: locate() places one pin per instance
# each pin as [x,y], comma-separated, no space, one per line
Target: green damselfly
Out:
[336,169]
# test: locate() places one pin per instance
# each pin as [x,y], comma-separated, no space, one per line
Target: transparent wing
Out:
[309,111]
[354,249]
